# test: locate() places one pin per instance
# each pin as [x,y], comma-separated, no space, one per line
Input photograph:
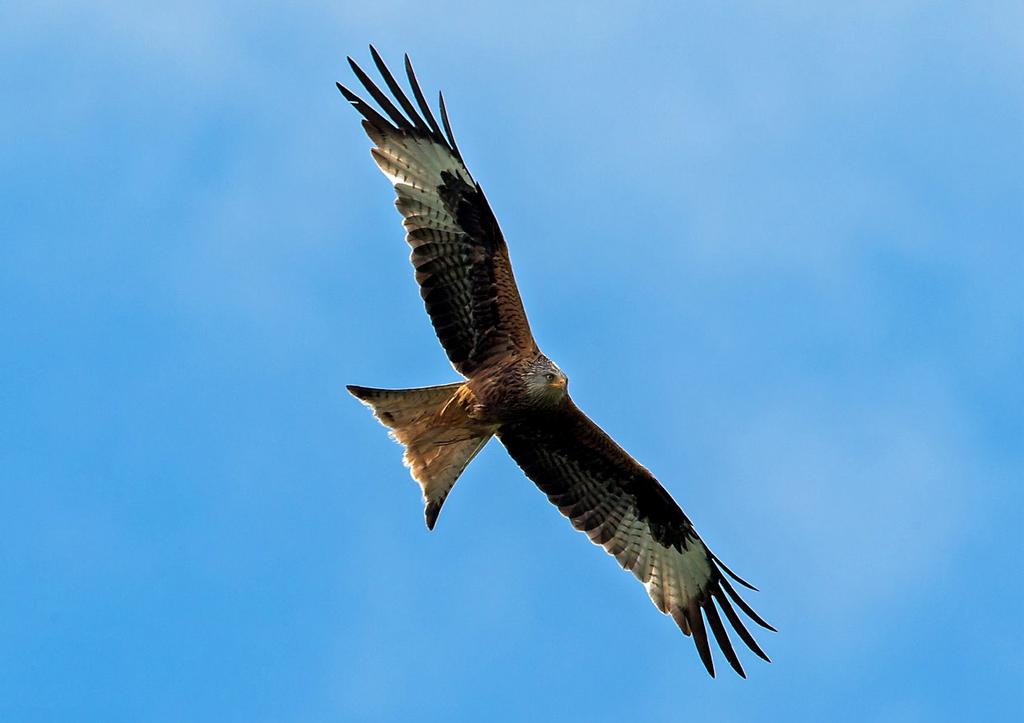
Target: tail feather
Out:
[438,437]
[398,408]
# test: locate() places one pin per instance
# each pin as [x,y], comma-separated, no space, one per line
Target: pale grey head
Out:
[546,384]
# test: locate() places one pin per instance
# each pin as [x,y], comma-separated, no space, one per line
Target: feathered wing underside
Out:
[622,507]
[461,260]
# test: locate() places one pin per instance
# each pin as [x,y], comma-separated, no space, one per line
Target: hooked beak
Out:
[559,383]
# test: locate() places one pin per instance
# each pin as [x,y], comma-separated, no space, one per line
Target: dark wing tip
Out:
[715,621]
[732,574]
[738,626]
[364,109]
[700,638]
[417,92]
[744,606]
[691,623]
[398,93]
[349,95]
[448,127]
[400,121]
[422,122]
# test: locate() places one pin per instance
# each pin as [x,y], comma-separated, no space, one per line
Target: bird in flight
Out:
[512,390]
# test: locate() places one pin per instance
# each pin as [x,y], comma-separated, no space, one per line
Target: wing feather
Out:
[621,506]
[700,636]
[458,251]
[722,636]
[448,127]
[737,624]
[421,101]
[396,90]
[381,99]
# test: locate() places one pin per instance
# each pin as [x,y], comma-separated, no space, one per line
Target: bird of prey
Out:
[514,392]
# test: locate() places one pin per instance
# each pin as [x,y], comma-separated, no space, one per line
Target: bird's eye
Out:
[550,377]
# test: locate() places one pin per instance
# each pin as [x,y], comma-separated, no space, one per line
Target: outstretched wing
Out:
[620,505]
[461,260]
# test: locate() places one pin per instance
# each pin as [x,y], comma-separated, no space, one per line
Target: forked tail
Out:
[438,436]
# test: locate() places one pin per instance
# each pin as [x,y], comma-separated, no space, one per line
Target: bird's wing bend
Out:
[621,506]
[461,260]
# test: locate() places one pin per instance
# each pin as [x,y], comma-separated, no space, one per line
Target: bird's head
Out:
[546,384]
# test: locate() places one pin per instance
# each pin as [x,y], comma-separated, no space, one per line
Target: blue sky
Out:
[777,250]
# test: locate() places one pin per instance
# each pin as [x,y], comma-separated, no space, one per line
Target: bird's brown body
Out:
[512,391]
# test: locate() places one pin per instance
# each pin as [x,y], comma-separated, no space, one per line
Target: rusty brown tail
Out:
[438,436]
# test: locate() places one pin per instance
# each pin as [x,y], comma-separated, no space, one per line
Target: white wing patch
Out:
[672,578]
[416,162]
